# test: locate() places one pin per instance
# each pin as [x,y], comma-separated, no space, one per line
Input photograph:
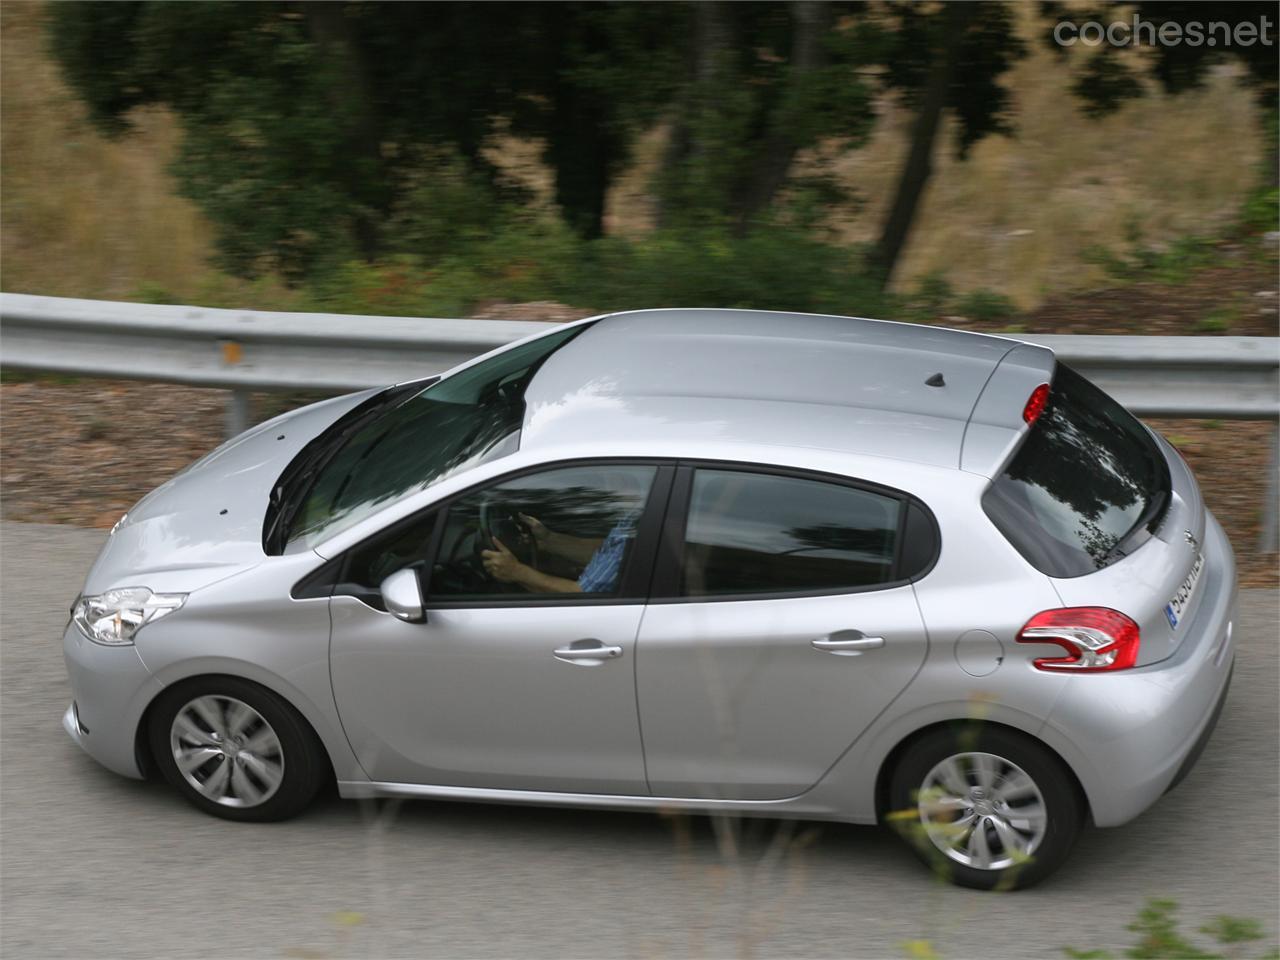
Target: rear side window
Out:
[761,533]
[1088,485]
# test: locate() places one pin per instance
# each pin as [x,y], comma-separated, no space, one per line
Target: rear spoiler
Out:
[996,424]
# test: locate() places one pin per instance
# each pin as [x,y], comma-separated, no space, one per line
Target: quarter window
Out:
[760,533]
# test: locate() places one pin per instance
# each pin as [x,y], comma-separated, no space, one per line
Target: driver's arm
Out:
[535,581]
[501,564]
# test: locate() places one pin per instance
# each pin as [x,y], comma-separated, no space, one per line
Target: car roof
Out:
[769,378]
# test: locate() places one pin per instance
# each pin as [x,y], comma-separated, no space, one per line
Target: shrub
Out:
[986,305]
[539,259]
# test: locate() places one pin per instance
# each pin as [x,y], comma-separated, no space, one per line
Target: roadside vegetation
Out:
[1030,198]
[1158,937]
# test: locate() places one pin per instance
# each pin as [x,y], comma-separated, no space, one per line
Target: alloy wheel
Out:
[227,751]
[982,811]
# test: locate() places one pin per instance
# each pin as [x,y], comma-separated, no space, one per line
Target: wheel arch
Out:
[884,774]
[320,718]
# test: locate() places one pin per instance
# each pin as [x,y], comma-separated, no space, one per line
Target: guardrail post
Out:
[1269,535]
[237,413]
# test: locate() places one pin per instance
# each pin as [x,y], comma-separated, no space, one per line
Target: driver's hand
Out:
[537,529]
[501,563]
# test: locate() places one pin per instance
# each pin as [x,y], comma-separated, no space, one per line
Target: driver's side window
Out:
[557,534]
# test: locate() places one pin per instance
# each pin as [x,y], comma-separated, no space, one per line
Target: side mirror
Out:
[402,595]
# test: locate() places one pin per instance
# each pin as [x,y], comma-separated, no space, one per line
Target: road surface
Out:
[95,865]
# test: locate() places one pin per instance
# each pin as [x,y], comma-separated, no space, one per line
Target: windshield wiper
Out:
[1147,521]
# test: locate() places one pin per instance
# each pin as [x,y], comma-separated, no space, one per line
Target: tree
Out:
[306,125]
[1113,74]
[762,83]
[947,57]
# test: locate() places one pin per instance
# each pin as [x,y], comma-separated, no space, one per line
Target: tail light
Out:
[1094,638]
[1035,403]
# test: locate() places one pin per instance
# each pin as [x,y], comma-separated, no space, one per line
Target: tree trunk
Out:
[919,163]
[779,147]
[350,98]
[583,157]
[711,39]
[581,148]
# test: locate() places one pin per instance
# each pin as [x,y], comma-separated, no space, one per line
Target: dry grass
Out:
[1020,212]
[84,216]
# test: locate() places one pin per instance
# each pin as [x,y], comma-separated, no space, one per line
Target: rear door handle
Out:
[587,653]
[848,643]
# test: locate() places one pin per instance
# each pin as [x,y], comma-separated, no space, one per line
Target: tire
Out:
[954,782]
[245,753]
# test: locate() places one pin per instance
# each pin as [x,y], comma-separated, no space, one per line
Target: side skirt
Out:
[801,807]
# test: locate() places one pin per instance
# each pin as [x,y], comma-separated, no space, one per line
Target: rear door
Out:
[782,624]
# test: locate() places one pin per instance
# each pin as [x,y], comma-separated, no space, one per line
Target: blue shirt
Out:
[601,573]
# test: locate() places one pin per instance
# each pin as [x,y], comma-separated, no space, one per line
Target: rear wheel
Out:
[985,807]
[235,749]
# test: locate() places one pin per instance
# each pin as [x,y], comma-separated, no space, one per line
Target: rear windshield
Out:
[1088,485]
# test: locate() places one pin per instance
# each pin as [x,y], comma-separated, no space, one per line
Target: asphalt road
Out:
[96,865]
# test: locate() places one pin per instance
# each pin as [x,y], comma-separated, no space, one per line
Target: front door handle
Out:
[848,643]
[587,653]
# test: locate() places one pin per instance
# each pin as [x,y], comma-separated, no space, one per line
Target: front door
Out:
[785,629]
[523,675]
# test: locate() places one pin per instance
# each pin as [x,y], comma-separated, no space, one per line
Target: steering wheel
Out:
[511,530]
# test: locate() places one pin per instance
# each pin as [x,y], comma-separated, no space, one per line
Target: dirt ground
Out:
[82,452]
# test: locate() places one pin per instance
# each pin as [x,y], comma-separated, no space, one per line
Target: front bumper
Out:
[1130,735]
[111,688]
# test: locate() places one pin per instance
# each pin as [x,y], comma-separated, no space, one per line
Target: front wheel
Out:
[235,749]
[985,807]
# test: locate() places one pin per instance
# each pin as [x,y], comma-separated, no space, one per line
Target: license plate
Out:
[1176,607]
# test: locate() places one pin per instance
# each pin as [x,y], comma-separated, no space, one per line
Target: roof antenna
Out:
[935,381]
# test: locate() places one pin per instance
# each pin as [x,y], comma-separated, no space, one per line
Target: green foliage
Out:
[320,133]
[767,80]
[766,269]
[542,259]
[1230,930]
[930,299]
[148,292]
[1261,210]
[985,305]
[934,298]
[307,129]
[1175,263]
[919,950]
[1219,320]
[982,105]
[448,209]
[1160,939]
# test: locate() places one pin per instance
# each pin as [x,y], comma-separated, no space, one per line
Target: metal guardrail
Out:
[245,350]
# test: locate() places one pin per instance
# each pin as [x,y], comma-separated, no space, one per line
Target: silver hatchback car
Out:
[738,562]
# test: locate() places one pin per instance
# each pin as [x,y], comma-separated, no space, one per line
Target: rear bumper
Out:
[1189,761]
[1131,735]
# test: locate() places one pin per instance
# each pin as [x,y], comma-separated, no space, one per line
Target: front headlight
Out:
[115,616]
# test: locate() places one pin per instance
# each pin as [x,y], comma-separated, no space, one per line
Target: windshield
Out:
[455,423]
[1088,485]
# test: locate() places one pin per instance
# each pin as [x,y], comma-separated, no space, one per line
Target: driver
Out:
[602,558]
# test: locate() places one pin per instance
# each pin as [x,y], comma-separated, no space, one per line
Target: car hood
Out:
[205,523]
